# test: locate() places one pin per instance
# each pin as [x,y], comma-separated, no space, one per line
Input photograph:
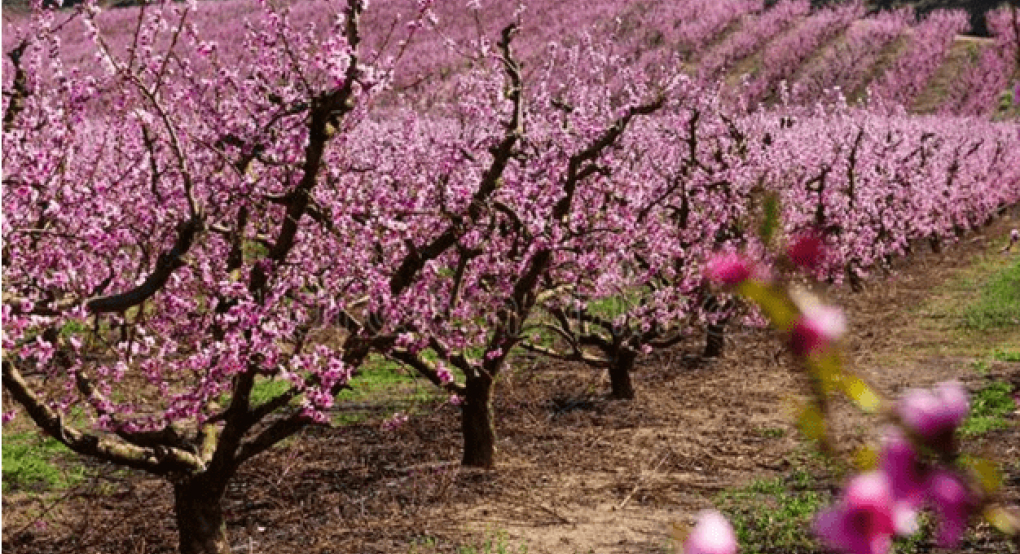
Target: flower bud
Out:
[934,414]
[818,327]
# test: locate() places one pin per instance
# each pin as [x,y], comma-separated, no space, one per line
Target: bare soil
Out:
[577,472]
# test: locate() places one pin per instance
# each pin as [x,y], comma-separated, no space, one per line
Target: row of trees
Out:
[180,228]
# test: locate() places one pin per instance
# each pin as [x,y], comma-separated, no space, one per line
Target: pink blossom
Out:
[953,503]
[713,534]
[862,521]
[444,374]
[934,414]
[728,269]
[818,327]
[807,251]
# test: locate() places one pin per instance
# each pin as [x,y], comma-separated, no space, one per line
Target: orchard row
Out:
[179,227]
[783,52]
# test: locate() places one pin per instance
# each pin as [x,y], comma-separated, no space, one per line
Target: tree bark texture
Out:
[620,367]
[200,522]
[476,423]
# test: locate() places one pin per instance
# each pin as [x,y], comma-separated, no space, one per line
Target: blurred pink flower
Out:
[728,269]
[807,251]
[934,414]
[862,522]
[953,503]
[819,326]
[711,535]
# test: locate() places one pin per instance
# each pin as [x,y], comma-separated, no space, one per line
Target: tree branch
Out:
[159,459]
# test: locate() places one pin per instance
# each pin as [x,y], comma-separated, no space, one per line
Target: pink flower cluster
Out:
[880,504]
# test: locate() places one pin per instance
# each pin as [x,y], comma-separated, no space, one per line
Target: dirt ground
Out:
[577,472]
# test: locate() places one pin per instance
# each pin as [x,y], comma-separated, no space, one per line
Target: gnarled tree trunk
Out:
[476,423]
[200,522]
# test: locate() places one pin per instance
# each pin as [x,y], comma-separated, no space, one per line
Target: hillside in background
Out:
[976,9]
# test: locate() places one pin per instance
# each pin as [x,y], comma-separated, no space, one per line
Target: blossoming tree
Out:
[167,246]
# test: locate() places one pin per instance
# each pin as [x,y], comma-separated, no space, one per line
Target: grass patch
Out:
[267,389]
[989,408]
[381,388]
[775,515]
[998,302]
[1006,355]
[493,543]
[378,377]
[381,385]
[962,315]
[31,462]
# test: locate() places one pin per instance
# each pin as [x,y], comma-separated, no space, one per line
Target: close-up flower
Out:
[818,327]
[862,522]
[934,413]
[712,534]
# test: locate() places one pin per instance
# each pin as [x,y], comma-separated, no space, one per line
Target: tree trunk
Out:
[715,340]
[620,367]
[476,423]
[856,284]
[200,523]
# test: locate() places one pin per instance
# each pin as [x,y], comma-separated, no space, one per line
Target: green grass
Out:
[30,462]
[377,377]
[267,389]
[1006,354]
[388,386]
[775,515]
[998,302]
[381,383]
[493,543]
[990,407]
